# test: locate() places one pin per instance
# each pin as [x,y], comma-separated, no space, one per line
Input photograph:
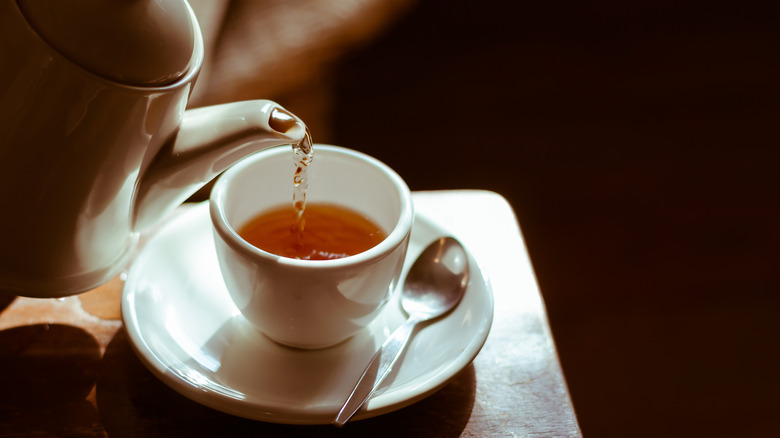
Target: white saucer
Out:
[184,327]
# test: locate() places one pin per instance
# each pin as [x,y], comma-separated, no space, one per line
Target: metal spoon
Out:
[433,287]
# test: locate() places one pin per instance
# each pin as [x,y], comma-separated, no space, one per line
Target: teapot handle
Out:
[209,140]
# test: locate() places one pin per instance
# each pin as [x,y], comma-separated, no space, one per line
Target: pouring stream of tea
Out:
[303,153]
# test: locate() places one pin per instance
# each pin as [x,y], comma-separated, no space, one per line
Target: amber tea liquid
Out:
[328,232]
[310,232]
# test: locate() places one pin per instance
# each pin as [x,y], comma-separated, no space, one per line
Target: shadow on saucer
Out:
[133,402]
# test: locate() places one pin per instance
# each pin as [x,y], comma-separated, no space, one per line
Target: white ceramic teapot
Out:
[95,142]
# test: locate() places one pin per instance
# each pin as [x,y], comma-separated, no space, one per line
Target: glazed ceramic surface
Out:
[90,155]
[311,303]
[184,326]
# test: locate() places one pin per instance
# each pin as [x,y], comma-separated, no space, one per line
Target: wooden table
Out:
[67,368]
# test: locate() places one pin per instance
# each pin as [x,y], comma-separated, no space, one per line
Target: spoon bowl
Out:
[433,287]
[437,280]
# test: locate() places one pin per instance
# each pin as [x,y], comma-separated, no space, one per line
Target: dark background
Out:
[637,143]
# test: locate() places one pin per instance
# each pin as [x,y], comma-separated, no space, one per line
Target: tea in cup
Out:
[318,288]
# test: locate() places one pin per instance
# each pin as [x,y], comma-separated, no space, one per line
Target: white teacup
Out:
[310,303]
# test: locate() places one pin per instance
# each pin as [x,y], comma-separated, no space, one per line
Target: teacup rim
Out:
[229,235]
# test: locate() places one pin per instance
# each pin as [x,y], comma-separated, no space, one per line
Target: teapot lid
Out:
[135,42]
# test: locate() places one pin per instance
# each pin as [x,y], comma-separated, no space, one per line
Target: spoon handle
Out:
[376,371]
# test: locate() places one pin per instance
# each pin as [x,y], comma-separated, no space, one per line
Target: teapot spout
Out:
[209,140]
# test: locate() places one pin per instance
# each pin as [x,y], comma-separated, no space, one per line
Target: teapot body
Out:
[72,149]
